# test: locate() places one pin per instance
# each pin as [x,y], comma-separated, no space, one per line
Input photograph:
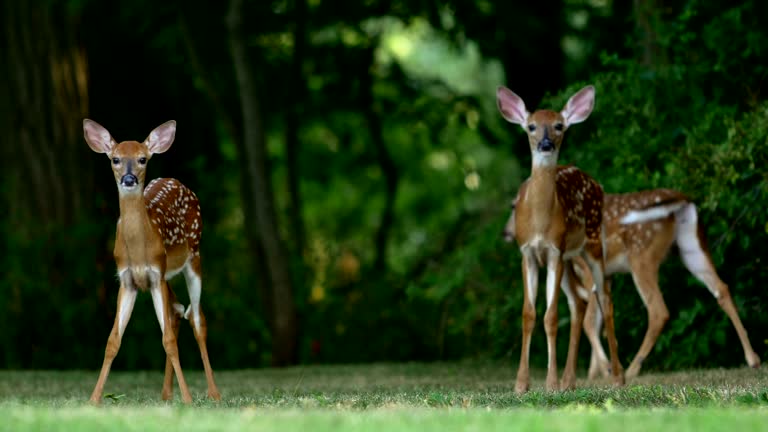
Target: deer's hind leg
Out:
[594,258]
[194,313]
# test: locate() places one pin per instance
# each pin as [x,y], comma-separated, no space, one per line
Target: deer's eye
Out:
[559,127]
[115,161]
[531,127]
[142,161]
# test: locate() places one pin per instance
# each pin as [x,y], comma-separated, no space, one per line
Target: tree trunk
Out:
[285,330]
[234,131]
[43,104]
[386,163]
[296,92]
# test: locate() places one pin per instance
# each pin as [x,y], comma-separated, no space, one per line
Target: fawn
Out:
[559,216]
[158,237]
[638,244]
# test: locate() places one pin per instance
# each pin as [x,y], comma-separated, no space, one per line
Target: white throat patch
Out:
[544,159]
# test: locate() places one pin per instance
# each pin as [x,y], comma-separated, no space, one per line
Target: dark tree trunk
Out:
[47,189]
[386,163]
[234,131]
[296,93]
[44,101]
[284,341]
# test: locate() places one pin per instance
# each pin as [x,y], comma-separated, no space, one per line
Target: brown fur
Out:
[639,249]
[158,234]
[645,246]
[559,215]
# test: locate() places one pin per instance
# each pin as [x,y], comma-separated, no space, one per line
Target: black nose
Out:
[546,145]
[129,180]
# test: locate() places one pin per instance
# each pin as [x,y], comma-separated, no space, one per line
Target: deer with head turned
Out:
[559,216]
[640,230]
[158,237]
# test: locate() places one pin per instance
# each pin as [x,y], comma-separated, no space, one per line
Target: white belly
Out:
[618,264]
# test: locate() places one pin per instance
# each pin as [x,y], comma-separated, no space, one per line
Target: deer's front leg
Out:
[554,278]
[161,299]
[593,325]
[126,297]
[576,308]
[530,280]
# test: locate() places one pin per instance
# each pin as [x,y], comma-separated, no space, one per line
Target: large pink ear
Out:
[579,106]
[161,138]
[511,106]
[97,137]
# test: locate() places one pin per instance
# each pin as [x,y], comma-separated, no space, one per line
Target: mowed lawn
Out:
[393,397]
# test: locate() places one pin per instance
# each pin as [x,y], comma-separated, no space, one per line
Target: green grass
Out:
[402,397]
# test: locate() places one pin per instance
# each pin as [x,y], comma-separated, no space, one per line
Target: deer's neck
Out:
[134,226]
[541,193]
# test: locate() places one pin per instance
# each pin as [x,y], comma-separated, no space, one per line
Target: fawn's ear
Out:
[579,106]
[161,138]
[511,106]
[97,137]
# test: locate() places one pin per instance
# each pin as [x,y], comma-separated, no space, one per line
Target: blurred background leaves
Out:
[387,169]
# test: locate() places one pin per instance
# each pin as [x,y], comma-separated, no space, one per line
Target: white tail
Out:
[652,213]
[158,236]
[558,216]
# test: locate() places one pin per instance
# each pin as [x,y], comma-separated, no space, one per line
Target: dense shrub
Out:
[697,123]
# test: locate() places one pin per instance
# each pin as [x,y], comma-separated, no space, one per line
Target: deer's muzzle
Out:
[129,180]
[546,145]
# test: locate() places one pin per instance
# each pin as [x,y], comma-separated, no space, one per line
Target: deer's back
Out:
[581,198]
[174,211]
[654,237]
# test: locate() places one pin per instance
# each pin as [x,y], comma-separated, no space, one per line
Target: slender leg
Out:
[126,297]
[161,300]
[531,280]
[576,308]
[197,320]
[690,241]
[176,314]
[593,324]
[645,275]
[726,303]
[723,295]
[598,362]
[554,280]
[604,296]
[594,365]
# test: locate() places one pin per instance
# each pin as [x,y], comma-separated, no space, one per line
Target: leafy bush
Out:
[696,123]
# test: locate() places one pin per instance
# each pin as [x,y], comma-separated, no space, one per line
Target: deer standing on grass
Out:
[638,244]
[158,236]
[559,216]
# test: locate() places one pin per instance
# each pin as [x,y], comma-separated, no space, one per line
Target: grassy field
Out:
[402,397]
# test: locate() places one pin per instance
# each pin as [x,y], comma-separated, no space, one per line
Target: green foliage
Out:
[694,120]
[692,126]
